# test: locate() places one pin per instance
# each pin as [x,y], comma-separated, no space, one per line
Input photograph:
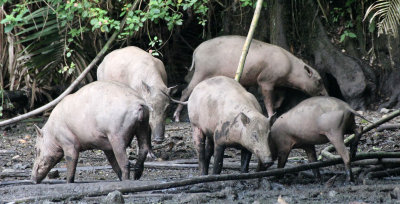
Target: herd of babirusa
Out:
[131,96]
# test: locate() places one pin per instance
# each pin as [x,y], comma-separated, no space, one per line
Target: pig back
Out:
[304,118]
[132,65]
[219,99]
[94,111]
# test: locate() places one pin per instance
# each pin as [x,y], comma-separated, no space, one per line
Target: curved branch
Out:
[77,80]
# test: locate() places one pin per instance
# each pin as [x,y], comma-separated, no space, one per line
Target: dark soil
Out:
[17,152]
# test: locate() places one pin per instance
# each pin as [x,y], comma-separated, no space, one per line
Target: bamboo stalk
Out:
[249,38]
[77,80]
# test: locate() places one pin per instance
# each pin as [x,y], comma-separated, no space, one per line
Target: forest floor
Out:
[177,160]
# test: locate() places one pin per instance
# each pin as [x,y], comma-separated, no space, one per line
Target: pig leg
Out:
[336,138]
[119,148]
[114,164]
[354,143]
[218,158]
[143,135]
[312,157]
[199,143]
[267,92]
[209,151]
[245,160]
[71,157]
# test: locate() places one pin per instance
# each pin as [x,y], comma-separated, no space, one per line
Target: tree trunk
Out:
[350,74]
[277,21]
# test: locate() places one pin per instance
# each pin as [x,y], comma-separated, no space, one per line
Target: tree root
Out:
[77,80]
[326,152]
[131,186]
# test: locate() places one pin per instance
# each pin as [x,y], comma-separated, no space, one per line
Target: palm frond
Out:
[387,14]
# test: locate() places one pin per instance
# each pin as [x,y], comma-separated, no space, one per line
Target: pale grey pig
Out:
[316,120]
[144,73]
[223,114]
[101,115]
[267,66]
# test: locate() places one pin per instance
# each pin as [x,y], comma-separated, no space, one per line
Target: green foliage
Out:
[343,17]
[51,32]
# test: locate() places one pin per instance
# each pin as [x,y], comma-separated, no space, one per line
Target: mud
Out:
[177,160]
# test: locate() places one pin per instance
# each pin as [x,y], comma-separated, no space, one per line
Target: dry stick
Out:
[77,80]
[326,152]
[249,37]
[210,178]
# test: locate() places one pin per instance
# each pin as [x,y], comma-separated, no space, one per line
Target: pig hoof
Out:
[151,156]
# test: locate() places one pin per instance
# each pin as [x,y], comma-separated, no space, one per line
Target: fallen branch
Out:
[384,161]
[388,127]
[326,152]
[77,80]
[384,173]
[131,186]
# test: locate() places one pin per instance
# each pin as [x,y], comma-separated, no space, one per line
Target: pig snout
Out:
[323,93]
[158,133]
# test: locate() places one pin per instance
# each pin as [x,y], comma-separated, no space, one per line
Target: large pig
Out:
[316,120]
[267,66]
[101,115]
[145,73]
[223,114]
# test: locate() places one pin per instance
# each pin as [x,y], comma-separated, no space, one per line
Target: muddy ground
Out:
[17,152]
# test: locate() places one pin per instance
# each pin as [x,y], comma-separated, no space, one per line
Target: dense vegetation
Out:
[45,44]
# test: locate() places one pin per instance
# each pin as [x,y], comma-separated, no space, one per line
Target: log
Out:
[77,80]
[132,186]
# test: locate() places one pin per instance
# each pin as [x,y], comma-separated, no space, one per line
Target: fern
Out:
[387,13]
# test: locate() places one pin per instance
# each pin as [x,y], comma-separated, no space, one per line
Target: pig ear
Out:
[146,87]
[243,117]
[272,119]
[308,70]
[39,132]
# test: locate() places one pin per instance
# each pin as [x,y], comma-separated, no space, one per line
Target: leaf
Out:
[8,28]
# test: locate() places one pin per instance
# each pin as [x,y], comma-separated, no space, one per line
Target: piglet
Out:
[101,115]
[316,120]
[223,114]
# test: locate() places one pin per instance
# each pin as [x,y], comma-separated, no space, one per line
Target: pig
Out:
[141,71]
[100,115]
[267,66]
[316,120]
[223,114]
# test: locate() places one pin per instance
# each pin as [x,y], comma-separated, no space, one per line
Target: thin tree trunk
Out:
[249,38]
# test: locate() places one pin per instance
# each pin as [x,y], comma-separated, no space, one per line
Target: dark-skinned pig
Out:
[223,114]
[267,66]
[316,120]
[141,71]
[101,115]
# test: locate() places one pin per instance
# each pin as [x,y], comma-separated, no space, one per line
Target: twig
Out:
[77,80]
[129,186]
[326,152]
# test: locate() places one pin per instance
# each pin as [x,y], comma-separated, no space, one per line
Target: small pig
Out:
[141,71]
[267,66]
[101,115]
[223,114]
[316,120]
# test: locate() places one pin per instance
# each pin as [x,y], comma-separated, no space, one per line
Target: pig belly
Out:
[311,139]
